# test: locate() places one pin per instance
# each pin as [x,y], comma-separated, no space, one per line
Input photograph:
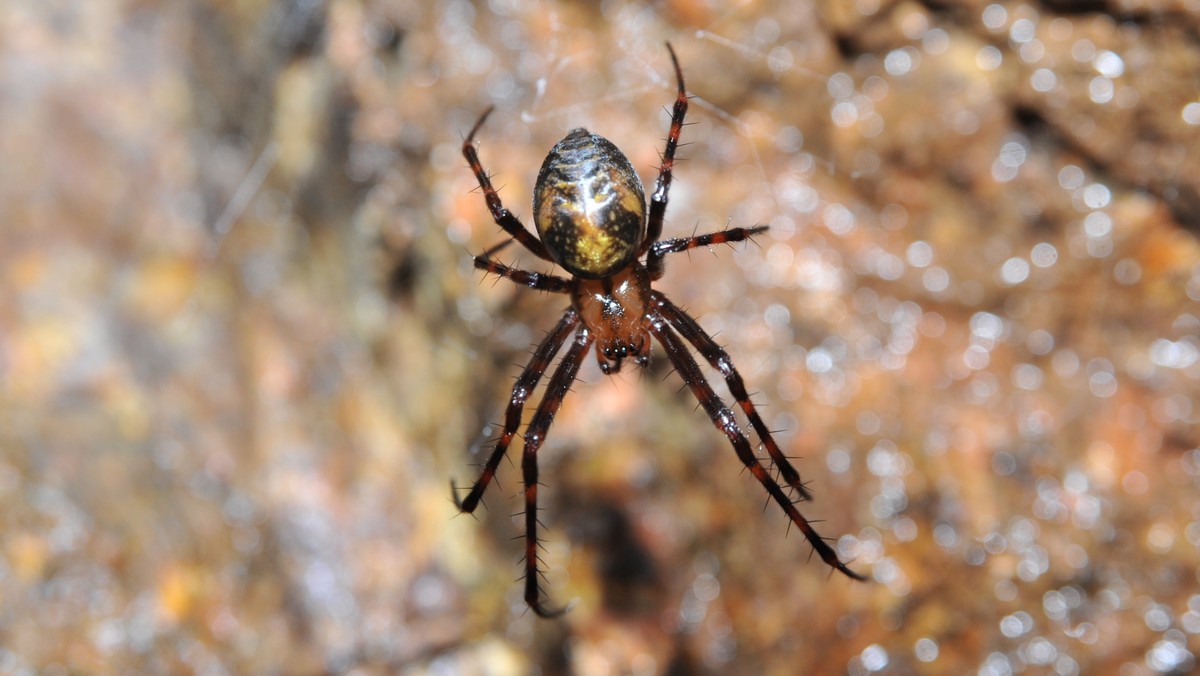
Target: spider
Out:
[589,207]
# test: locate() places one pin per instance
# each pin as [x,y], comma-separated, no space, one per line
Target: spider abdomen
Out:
[589,206]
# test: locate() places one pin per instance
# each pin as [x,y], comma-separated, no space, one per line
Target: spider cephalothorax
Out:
[590,210]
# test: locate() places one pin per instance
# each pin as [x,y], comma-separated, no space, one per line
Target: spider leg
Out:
[724,420]
[535,434]
[502,216]
[658,201]
[715,355]
[535,280]
[654,261]
[526,382]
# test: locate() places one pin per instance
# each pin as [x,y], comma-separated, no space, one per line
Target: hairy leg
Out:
[654,261]
[535,280]
[724,421]
[662,186]
[535,434]
[719,359]
[502,216]
[526,382]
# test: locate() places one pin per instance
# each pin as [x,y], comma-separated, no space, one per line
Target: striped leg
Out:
[692,331]
[524,386]
[502,216]
[535,280]
[654,261]
[535,434]
[658,200]
[724,421]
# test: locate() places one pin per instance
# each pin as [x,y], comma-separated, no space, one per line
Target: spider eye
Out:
[589,206]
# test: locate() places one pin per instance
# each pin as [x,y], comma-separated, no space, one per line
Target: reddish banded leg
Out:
[720,361]
[724,420]
[535,434]
[655,263]
[524,386]
[662,186]
[502,216]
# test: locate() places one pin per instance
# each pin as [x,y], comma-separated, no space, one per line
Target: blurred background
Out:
[243,352]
